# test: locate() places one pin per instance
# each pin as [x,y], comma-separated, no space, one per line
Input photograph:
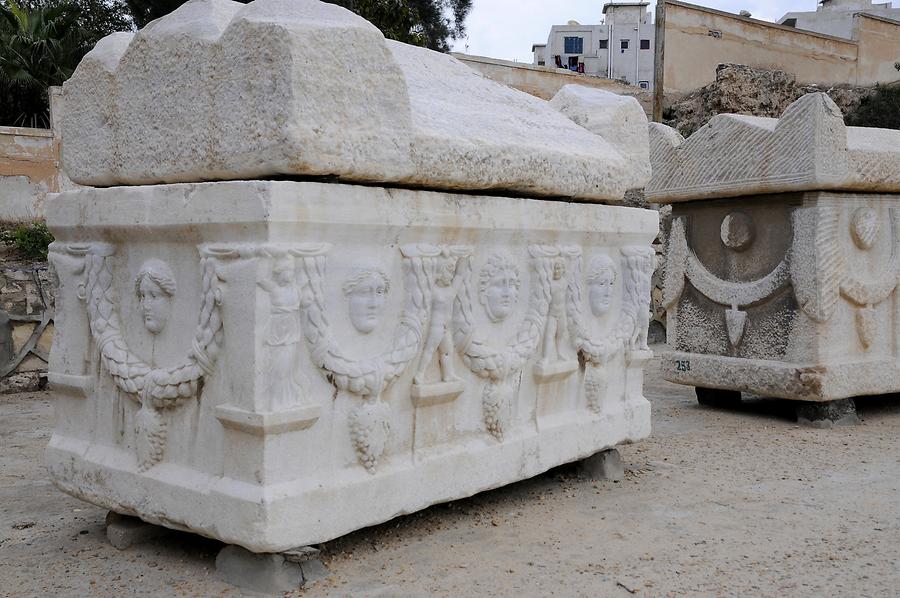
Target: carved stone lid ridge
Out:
[219,90]
[808,149]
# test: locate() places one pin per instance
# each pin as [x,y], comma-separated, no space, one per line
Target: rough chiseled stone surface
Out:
[618,119]
[808,149]
[218,90]
[785,294]
[276,364]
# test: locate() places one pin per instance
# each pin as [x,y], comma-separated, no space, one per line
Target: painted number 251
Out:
[682,365]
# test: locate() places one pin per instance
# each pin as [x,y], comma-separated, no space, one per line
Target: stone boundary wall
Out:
[543,81]
[27,293]
[29,170]
[698,39]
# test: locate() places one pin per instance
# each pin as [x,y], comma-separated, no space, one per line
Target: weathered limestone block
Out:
[789,294]
[276,364]
[618,119]
[220,90]
[89,127]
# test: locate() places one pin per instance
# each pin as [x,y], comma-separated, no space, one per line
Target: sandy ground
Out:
[715,503]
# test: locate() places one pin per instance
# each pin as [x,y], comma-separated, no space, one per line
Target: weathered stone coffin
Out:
[276,363]
[784,254]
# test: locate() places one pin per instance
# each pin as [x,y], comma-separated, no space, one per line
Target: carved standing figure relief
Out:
[555,329]
[284,383]
[369,422]
[498,286]
[447,284]
[600,284]
[366,292]
[155,287]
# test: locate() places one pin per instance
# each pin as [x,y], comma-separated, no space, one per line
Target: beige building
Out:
[620,47]
[698,39]
[835,17]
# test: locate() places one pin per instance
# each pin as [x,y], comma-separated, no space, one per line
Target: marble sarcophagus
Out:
[287,307]
[782,262]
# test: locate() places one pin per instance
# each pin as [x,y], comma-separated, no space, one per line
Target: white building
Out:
[835,17]
[620,47]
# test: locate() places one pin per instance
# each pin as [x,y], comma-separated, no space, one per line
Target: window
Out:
[604,44]
[623,44]
[789,22]
[574,45]
[541,63]
[573,63]
[645,44]
[644,85]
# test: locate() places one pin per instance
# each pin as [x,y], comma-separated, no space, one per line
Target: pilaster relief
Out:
[817,289]
[157,390]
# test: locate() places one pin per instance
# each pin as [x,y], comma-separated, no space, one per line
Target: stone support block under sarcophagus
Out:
[784,254]
[294,310]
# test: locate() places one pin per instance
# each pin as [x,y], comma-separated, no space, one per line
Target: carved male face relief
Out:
[559,269]
[600,285]
[446,271]
[366,293]
[499,287]
[283,272]
[155,288]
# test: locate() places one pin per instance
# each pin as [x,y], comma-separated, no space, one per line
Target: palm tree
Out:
[38,48]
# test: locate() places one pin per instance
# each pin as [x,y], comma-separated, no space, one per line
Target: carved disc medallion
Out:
[737,231]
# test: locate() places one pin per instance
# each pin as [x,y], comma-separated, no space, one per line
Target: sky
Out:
[507,28]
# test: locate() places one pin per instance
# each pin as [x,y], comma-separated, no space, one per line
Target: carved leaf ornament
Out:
[161,389]
[633,319]
[156,389]
[499,364]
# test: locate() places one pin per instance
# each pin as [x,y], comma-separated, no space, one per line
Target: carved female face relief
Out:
[559,269]
[155,288]
[366,292]
[864,227]
[600,284]
[498,286]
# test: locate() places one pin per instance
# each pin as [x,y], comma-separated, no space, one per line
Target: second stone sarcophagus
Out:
[781,265]
[276,363]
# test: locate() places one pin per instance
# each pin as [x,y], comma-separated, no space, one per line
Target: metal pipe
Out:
[609,48]
[637,53]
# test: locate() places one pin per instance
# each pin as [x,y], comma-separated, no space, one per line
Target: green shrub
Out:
[30,240]
[880,109]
